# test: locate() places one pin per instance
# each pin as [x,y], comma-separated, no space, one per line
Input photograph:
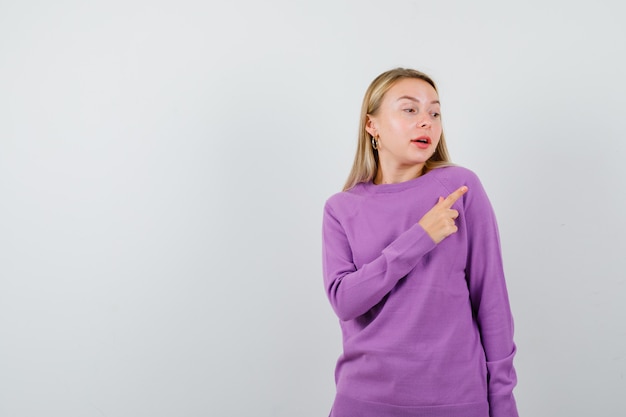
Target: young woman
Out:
[413,270]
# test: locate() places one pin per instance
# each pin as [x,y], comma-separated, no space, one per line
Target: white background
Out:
[164,164]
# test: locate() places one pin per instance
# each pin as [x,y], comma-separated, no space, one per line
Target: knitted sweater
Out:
[427,328]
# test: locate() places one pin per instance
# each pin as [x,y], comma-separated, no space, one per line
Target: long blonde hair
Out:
[366,159]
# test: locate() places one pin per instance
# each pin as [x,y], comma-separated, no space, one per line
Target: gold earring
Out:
[375,143]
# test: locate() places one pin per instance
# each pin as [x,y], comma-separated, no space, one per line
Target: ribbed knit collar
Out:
[370,187]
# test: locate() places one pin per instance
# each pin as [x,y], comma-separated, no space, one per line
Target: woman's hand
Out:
[439,221]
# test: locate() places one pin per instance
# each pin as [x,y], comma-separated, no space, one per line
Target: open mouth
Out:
[422,139]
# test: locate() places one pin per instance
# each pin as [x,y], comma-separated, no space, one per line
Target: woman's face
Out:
[408,124]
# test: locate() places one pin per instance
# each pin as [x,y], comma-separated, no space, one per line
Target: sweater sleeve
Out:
[351,291]
[488,294]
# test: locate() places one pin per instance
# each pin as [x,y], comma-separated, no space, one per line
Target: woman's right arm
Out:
[351,291]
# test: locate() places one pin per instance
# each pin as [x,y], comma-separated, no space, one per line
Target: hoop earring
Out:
[375,143]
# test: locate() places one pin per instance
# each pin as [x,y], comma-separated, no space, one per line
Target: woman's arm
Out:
[352,292]
[490,302]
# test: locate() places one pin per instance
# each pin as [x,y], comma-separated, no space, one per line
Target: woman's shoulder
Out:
[347,201]
[455,172]
[454,176]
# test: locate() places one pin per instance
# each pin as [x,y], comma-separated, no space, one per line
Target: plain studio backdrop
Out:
[164,165]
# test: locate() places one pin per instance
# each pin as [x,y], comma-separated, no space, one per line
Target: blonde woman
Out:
[412,268]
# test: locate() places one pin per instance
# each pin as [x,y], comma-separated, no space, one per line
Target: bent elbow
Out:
[347,310]
[344,314]
[343,309]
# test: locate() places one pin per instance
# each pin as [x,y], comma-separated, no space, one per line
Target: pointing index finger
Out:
[454,196]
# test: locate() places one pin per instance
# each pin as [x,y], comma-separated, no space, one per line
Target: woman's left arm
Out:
[490,301]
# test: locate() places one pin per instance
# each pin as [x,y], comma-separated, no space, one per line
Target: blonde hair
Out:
[366,159]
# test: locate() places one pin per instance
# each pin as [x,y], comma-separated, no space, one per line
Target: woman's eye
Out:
[409,110]
[436,115]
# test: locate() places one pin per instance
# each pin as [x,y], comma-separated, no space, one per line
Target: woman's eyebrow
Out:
[416,100]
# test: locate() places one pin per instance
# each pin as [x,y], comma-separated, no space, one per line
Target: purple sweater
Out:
[427,328]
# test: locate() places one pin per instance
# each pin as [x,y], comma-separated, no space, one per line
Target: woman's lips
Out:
[423,142]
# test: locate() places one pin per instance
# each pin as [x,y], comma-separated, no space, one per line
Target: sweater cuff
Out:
[502,406]
[502,381]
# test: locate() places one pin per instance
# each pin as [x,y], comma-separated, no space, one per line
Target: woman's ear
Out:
[370,126]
